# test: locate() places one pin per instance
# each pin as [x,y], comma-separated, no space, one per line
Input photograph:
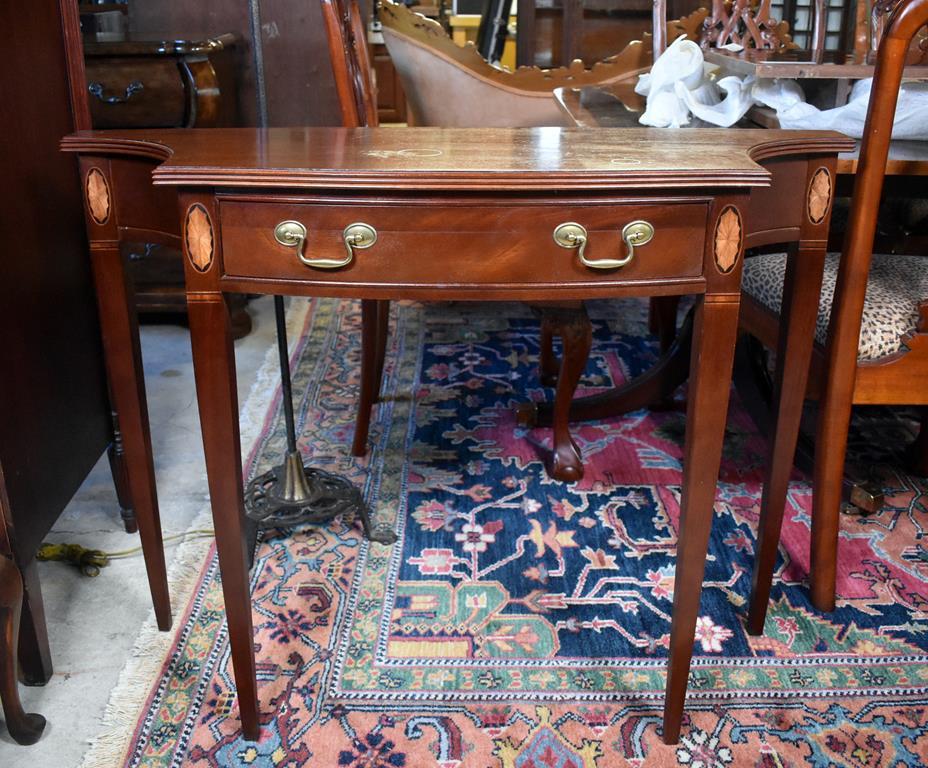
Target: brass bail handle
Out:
[573,235]
[356,236]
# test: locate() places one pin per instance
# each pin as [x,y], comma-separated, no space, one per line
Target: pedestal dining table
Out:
[490,215]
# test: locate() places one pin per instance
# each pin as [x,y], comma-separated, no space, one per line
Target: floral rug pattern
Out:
[522,622]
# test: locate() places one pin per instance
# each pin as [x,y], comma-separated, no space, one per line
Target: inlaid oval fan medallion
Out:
[98,196]
[198,233]
[728,236]
[819,197]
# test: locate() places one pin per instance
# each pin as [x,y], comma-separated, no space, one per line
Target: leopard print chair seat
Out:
[897,286]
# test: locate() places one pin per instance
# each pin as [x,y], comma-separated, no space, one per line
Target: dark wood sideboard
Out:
[55,416]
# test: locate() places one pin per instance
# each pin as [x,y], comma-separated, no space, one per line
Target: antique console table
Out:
[491,214]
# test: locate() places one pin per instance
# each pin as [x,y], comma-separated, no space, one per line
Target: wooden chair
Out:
[555,32]
[875,350]
[357,100]
[431,66]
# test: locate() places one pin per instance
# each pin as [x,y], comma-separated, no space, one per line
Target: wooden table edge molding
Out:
[470,214]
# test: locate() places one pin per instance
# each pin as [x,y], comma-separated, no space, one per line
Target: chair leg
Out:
[374,326]
[918,451]
[35,657]
[548,364]
[573,326]
[662,319]
[24,727]
[830,453]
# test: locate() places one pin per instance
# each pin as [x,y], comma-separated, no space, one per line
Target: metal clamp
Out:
[293,235]
[96,89]
[573,235]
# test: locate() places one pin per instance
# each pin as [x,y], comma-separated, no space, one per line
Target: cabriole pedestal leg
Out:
[25,728]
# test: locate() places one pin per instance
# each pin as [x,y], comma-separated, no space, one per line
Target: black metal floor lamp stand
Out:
[291,493]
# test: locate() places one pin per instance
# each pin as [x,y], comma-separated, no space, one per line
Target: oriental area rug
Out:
[521,622]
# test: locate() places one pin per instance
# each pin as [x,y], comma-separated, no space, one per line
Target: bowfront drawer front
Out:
[479,245]
[135,92]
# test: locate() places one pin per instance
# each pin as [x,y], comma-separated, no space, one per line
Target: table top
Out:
[435,159]
[151,44]
[803,64]
[618,106]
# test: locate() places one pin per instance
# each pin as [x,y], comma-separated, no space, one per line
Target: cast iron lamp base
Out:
[292,494]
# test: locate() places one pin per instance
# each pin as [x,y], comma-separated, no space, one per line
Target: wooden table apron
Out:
[456,232]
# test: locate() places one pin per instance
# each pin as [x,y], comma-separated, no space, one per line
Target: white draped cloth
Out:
[680,87]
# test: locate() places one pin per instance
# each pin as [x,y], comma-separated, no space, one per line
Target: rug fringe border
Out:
[128,698]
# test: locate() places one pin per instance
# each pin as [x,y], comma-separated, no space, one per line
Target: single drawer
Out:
[480,244]
[135,92]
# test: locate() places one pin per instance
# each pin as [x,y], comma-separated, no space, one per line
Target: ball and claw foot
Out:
[566,463]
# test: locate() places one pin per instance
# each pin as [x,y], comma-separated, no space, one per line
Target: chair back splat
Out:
[351,63]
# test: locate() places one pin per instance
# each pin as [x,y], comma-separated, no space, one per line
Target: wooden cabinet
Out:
[161,83]
[391,101]
[55,418]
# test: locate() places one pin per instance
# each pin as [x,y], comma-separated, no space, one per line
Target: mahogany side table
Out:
[489,214]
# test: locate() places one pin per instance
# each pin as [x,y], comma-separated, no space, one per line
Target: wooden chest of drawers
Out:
[161,83]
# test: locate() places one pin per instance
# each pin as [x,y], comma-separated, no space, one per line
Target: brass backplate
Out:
[360,235]
[637,233]
[289,233]
[569,234]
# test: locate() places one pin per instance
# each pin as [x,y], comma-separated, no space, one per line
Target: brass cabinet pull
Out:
[96,90]
[293,235]
[573,235]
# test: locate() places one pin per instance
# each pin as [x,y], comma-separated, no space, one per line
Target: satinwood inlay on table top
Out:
[486,160]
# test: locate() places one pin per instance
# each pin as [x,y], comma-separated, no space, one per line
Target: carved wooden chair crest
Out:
[747,23]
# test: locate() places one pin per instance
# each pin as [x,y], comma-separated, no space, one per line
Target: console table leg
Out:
[214,370]
[123,358]
[714,333]
[802,286]
[383,331]
[373,348]
[24,727]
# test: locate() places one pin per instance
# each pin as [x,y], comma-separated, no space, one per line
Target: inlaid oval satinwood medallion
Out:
[98,195]
[819,196]
[728,236]
[198,234]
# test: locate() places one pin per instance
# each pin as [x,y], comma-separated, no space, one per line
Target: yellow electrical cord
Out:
[90,561]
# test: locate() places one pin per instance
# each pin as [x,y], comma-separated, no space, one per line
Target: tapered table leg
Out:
[714,334]
[123,357]
[801,290]
[372,339]
[214,369]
